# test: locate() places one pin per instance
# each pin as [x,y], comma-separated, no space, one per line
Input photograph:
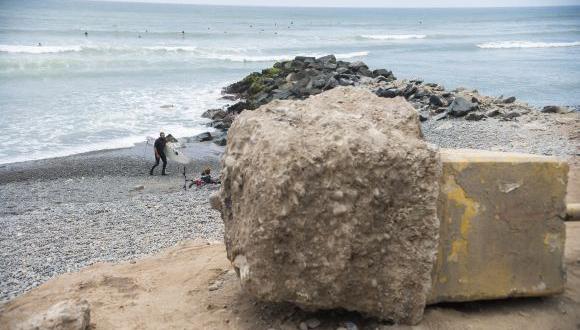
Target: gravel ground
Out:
[536,133]
[63,214]
[59,215]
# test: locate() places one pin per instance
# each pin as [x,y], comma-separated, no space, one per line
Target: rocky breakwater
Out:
[305,76]
[291,80]
[330,202]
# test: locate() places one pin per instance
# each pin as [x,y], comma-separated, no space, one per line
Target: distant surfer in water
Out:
[159,148]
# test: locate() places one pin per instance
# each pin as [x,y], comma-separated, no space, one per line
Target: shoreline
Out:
[62,214]
[135,161]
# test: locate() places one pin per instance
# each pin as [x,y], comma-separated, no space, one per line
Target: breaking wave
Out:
[526,44]
[393,36]
[225,54]
[39,49]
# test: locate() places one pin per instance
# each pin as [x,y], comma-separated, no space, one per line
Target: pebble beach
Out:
[59,215]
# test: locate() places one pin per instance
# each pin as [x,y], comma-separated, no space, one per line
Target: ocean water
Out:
[135,72]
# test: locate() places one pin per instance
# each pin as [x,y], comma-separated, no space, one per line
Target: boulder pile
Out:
[330,202]
[305,76]
[292,80]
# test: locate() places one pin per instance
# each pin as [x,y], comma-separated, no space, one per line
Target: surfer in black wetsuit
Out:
[159,148]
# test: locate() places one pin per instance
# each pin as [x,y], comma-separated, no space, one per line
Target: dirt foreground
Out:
[192,286]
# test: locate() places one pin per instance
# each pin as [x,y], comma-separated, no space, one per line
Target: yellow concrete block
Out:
[502,231]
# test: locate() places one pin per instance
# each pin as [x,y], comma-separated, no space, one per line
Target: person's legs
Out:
[154,166]
[164,159]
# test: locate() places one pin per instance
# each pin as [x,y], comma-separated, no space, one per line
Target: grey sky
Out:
[376,3]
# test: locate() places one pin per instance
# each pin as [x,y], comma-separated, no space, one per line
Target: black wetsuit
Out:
[160,147]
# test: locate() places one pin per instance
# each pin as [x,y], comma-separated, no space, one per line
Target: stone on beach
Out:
[66,315]
[555,109]
[461,107]
[330,203]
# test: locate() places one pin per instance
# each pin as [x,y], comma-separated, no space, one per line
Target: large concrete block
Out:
[501,226]
[331,202]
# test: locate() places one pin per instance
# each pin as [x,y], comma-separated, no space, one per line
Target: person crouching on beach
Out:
[205,179]
[159,148]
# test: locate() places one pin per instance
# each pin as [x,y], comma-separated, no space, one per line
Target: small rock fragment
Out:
[510,99]
[65,315]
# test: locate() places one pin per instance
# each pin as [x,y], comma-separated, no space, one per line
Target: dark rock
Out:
[345,82]
[320,81]
[230,97]
[262,98]
[330,66]
[239,107]
[510,99]
[281,94]
[460,107]
[511,115]
[492,113]
[330,84]
[409,90]
[474,116]
[356,66]
[214,114]
[436,101]
[475,100]
[365,72]
[420,93]
[423,117]
[327,59]
[295,76]
[439,109]
[382,72]
[297,65]
[203,137]
[383,79]
[222,141]
[388,93]
[219,124]
[342,70]
[555,109]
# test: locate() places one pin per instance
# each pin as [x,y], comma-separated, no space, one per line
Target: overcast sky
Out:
[375,3]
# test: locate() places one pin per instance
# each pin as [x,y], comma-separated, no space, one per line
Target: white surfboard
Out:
[174,154]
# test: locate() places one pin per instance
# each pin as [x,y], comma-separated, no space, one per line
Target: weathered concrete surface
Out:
[65,315]
[331,203]
[502,232]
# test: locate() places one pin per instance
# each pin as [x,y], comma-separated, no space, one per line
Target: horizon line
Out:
[176,2]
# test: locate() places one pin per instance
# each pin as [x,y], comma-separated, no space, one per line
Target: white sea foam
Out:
[130,115]
[526,44]
[172,48]
[224,54]
[38,49]
[393,36]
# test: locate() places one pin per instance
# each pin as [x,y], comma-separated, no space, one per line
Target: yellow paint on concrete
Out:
[457,195]
[458,247]
[494,242]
